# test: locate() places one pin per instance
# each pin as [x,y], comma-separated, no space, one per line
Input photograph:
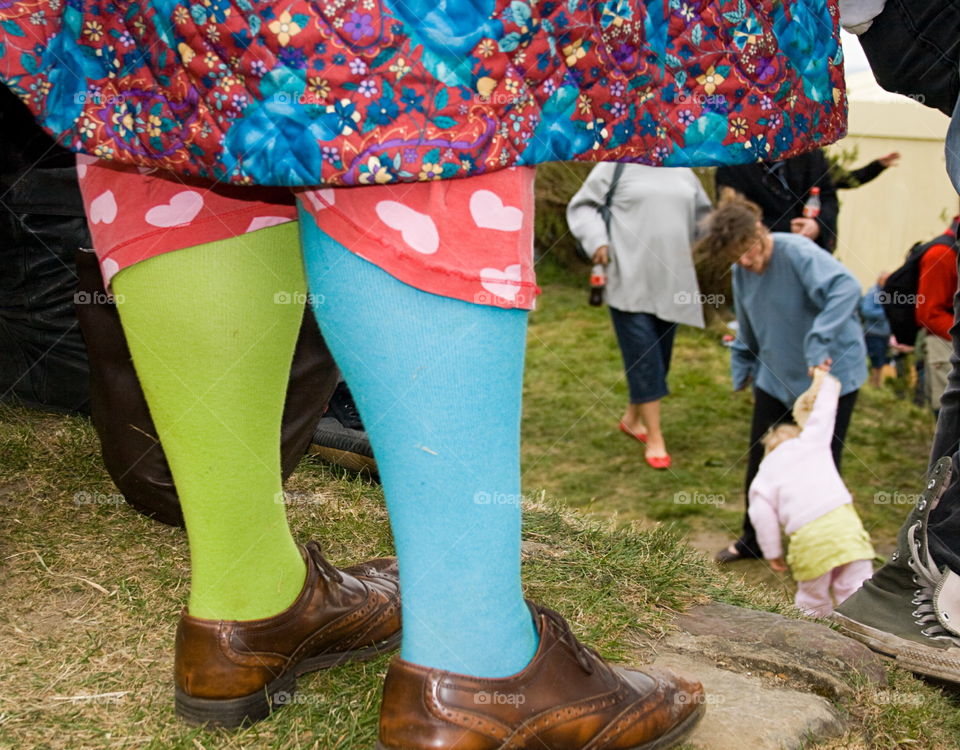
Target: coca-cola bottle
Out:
[598,281]
[811,209]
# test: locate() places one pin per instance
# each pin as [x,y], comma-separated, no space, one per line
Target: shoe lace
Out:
[586,656]
[327,570]
[926,575]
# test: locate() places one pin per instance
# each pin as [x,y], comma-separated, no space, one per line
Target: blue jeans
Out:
[877,350]
[646,343]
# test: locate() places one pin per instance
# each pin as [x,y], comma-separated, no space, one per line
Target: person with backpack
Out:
[936,286]
[917,301]
[640,223]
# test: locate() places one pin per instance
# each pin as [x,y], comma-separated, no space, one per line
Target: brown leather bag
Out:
[131,450]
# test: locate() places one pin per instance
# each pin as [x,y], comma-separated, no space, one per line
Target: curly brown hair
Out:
[730,228]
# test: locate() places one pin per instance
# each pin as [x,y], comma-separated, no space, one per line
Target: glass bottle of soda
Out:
[811,209]
[598,281]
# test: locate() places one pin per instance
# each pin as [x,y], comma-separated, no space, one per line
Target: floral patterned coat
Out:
[346,92]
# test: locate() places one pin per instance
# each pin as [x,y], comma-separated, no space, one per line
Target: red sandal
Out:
[636,436]
[659,462]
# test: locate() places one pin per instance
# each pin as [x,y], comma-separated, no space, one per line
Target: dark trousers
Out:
[944,528]
[768,412]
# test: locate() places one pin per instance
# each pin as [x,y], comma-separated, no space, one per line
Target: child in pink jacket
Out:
[798,487]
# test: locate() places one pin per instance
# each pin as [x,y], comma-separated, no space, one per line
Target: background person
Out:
[876,329]
[845,179]
[781,188]
[651,280]
[796,307]
[936,287]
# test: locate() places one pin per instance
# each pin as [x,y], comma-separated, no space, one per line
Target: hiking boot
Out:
[231,672]
[910,609]
[567,698]
[340,437]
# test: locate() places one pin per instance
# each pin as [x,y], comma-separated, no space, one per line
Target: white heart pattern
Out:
[418,230]
[82,161]
[262,222]
[103,208]
[182,209]
[488,212]
[108,269]
[321,199]
[492,279]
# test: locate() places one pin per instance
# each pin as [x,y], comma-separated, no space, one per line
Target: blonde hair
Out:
[779,434]
[730,228]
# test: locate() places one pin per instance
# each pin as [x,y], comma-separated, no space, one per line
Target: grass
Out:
[92,590]
[576,392]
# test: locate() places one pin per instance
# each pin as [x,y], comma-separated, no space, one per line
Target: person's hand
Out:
[805,226]
[777,564]
[601,255]
[890,160]
[825,366]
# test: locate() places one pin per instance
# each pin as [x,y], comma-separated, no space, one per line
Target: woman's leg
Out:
[656,444]
[212,348]
[438,385]
[642,345]
[841,424]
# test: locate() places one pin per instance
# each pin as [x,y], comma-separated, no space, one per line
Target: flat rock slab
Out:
[745,713]
[801,652]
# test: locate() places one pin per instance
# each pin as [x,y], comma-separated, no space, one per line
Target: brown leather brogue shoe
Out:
[230,672]
[567,698]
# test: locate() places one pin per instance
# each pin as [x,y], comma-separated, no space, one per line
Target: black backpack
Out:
[899,294]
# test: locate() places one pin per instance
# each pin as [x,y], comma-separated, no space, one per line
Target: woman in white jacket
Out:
[651,281]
